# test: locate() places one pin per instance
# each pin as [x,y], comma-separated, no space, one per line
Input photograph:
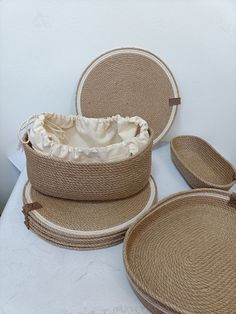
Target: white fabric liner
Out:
[88,140]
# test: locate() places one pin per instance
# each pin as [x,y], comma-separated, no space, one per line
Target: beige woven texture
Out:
[128,84]
[72,240]
[98,181]
[149,305]
[77,246]
[200,164]
[182,255]
[104,223]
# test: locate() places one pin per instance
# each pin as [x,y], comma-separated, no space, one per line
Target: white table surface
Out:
[39,278]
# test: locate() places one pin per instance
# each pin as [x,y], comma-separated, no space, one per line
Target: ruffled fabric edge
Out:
[51,143]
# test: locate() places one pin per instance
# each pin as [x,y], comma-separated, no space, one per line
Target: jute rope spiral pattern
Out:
[182,255]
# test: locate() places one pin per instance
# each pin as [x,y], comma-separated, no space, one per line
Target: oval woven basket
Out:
[95,181]
[180,258]
[200,164]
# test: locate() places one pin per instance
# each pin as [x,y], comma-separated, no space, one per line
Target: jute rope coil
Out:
[200,164]
[90,182]
[72,240]
[180,258]
[129,81]
[79,245]
[87,224]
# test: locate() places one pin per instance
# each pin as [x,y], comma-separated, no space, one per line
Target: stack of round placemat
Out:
[180,258]
[88,224]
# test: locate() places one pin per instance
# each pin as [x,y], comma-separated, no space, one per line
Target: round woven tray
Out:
[180,258]
[85,224]
[200,164]
[85,182]
[129,81]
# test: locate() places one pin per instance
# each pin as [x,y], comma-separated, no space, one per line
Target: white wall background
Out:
[46,44]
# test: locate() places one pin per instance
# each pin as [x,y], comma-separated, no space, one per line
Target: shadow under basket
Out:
[88,182]
[200,164]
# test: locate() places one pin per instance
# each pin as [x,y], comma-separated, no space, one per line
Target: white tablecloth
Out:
[39,278]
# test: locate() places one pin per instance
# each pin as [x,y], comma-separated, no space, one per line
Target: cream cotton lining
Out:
[88,140]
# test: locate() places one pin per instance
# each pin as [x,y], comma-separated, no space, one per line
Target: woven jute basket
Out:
[200,164]
[129,81]
[85,224]
[180,258]
[93,181]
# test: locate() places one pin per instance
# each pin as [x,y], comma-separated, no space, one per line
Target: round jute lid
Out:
[180,258]
[85,224]
[129,82]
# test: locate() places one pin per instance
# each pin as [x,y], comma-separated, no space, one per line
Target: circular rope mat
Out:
[85,224]
[81,245]
[129,82]
[181,257]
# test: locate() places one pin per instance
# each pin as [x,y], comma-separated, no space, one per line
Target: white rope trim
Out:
[104,232]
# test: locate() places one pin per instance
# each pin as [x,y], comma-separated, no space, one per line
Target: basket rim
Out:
[216,186]
[151,302]
[215,193]
[94,164]
[132,50]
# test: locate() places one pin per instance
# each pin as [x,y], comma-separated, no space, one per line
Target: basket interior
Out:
[183,254]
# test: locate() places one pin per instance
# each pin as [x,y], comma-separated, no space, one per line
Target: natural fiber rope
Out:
[37,224]
[183,253]
[200,164]
[98,181]
[153,307]
[129,81]
[87,221]
[72,241]
[76,247]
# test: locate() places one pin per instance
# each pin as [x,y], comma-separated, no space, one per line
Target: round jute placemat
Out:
[85,224]
[180,258]
[129,82]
